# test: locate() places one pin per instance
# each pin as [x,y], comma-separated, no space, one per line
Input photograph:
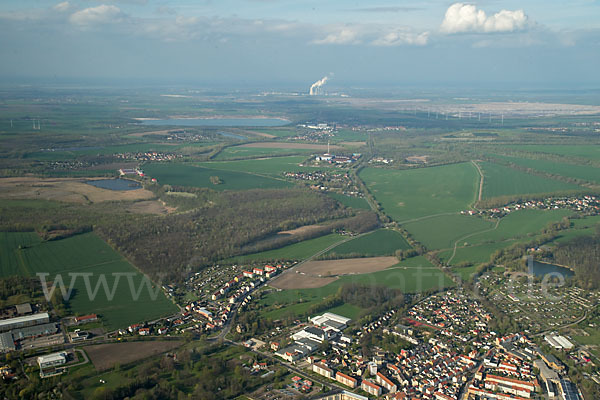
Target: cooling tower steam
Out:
[314,89]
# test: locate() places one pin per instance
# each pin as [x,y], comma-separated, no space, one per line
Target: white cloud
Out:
[402,38]
[62,7]
[461,18]
[101,14]
[342,36]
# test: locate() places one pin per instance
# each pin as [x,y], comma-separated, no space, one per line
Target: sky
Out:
[275,43]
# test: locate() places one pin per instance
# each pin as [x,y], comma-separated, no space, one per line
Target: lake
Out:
[115,184]
[217,122]
[541,269]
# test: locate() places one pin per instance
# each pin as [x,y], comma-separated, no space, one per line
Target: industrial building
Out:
[21,322]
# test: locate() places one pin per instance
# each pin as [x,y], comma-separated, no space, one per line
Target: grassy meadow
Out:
[25,254]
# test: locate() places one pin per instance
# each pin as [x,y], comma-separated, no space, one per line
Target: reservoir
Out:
[115,184]
[217,122]
[541,269]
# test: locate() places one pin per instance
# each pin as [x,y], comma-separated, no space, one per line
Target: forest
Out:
[582,254]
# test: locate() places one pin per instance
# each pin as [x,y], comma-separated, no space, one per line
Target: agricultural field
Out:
[106,356]
[190,175]
[24,254]
[274,132]
[583,172]
[411,276]
[415,262]
[443,231]
[474,254]
[349,201]
[500,180]
[520,224]
[410,194]
[274,166]
[383,242]
[296,251]
[314,274]
[589,151]
[234,152]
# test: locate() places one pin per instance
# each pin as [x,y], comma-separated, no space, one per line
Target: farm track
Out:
[480,181]
[468,236]
[317,254]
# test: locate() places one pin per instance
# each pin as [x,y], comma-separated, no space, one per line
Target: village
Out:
[328,181]
[585,205]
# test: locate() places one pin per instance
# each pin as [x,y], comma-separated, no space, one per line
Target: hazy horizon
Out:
[285,44]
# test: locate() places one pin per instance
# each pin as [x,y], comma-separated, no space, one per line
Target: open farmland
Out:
[412,275]
[289,145]
[190,175]
[274,166]
[237,152]
[106,356]
[474,254]
[590,151]
[582,172]
[296,251]
[443,231]
[520,224]
[383,242]
[410,194]
[500,180]
[25,255]
[319,273]
[65,189]
[349,201]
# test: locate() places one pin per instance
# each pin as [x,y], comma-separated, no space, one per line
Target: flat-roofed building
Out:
[35,331]
[51,360]
[21,322]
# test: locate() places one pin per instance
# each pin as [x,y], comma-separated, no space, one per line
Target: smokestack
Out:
[316,85]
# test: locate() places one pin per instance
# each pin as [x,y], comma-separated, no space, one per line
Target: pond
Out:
[540,269]
[217,122]
[115,184]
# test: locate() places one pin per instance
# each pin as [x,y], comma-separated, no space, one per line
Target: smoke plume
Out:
[317,84]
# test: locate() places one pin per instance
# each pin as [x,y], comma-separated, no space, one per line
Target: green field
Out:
[504,181]
[274,166]
[441,232]
[243,152]
[383,242]
[474,254]
[296,251]
[589,151]
[414,262]
[520,224]
[413,279]
[409,194]
[583,172]
[190,175]
[348,201]
[465,273]
[25,254]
